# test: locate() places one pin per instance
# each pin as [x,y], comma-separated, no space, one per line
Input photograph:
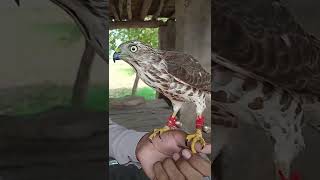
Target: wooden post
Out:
[129,9]
[114,11]
[135,85]
[80,88]
[167,36]
[158,12]
[145,9]
[120,6]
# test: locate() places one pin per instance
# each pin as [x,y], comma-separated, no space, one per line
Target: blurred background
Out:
[52,115]
[40,56]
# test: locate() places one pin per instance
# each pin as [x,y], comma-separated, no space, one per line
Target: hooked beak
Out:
[17,2]
[116,55]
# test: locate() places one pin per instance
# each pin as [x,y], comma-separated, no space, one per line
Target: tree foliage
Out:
[146,35]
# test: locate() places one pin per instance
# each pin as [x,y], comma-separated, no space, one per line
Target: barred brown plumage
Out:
[178,76]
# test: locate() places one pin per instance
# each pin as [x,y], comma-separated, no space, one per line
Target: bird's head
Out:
[134,52]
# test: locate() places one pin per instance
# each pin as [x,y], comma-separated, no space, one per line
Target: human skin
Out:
[168,157]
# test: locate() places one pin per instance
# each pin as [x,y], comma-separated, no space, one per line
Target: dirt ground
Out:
[59,144]
[248,156]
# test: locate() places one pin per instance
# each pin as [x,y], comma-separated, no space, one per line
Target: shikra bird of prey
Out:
[266,71]
[176,75]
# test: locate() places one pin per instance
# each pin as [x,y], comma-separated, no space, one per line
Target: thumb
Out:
[206,149]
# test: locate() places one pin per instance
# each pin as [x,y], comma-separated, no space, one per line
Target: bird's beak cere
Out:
[17,2]
[116,55]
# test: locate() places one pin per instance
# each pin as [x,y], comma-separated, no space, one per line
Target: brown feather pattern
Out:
[265,39]
[187,69]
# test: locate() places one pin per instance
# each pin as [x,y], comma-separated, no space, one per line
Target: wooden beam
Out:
[129,9]
[157,14]
[114,11]
[120,6]
[145,8]
[135,24]
[80,88]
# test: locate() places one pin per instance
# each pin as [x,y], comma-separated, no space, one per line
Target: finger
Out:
[188,171]
[200,164]
[148,157]
[160,173]
[206,149]
[176,156]
[172,170]
[171,142]
[186,153]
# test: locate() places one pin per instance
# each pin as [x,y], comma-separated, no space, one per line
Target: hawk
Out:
[176,75]
[266,72]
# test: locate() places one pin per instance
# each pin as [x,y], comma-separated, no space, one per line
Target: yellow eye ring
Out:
[133,48]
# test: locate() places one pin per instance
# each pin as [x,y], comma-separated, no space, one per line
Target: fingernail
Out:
[186,154]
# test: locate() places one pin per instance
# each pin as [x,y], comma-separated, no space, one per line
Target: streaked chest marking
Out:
[156,77]
[257,102]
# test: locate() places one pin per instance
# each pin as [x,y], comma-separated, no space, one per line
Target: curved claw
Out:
[158,130]
[194,138]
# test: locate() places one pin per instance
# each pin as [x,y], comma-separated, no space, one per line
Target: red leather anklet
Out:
[199,122]
[172,122]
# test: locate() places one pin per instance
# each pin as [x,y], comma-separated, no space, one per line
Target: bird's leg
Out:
[286,146]
[197,136]
[171,124]
[283,172]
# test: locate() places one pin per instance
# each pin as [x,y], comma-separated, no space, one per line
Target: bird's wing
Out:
[223,117]
[264,39]
[187,69]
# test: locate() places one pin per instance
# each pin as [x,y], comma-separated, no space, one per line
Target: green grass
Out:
[146,92]
[127,71]
[30,100]
[66,33]
[38,98]
[97,99]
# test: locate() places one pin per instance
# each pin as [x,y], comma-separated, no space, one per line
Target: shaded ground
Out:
[36,98]
[145,117]
[248,156]
[59,144]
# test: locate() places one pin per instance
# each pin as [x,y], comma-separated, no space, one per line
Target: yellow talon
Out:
[197,136]
[158,130]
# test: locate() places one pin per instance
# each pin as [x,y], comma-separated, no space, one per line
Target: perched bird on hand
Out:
[178,76]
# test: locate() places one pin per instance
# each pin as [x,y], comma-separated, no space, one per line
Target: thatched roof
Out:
[133,13]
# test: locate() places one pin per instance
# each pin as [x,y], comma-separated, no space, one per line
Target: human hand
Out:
[168,157]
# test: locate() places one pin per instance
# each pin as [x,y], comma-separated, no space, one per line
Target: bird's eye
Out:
[133,48]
